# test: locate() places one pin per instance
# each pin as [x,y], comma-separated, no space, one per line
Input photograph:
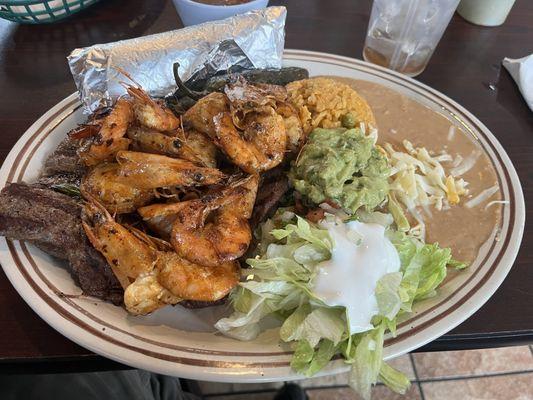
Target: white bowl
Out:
[193,13]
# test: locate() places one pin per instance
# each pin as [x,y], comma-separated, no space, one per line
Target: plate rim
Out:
[217,375]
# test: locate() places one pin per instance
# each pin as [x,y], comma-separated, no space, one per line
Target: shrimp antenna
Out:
[127,75]
[135,91]
[93,202]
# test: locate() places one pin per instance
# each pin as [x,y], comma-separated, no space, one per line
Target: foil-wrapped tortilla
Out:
[251,40]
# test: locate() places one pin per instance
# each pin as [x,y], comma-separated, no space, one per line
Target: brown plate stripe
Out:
[224,364]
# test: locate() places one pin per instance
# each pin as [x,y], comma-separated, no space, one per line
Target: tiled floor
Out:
[503,373]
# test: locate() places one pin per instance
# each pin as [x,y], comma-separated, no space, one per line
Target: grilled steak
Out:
[202,304]
[273,186]
[65,160]
[51,221]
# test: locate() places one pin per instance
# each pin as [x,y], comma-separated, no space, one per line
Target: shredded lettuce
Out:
[313,325]
[388,296]
[279,283]
[367,362]
[424,267]
[308,360]
[393,378]
[397,213]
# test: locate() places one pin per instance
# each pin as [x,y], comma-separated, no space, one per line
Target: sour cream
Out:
[361,255]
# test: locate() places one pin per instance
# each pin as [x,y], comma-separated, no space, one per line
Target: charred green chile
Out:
[186,95]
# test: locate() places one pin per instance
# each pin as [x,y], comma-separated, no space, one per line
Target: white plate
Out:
[180,342]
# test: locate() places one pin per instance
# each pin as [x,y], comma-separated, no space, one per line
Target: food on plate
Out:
[400,118]
[419,180]
[343,167]
[151,171]
[197,282]
[106,134]
[128,255]
[280,194]
[103,183]
[190,145]
[325,103]
[151,274]
[245,123]
[301,277]
[51,221]
[200,116]
[260,146]
[280,77]
[227,236]
[65,161]
[199,87]
[152,113]
[274,186]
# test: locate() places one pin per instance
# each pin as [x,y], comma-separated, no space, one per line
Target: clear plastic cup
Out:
[402,34]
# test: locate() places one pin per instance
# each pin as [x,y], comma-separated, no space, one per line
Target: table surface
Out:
[466,66]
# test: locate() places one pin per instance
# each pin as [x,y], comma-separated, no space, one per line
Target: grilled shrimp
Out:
[146,295]
[126,253]
[150,276]
[260,147]
[152,141]
[191,281]
[110,137]
[132,258]
[202,148]
[194,147]
[245,124]
[247,97]
[103,183]
[200,116]
[227,236]
[150,112]
[150,171]
[160,217]
[245,204]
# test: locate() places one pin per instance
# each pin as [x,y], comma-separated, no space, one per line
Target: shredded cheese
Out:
[453,196]
[465,165]
[419,179]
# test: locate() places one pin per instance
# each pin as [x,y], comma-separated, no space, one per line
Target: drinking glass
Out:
[402,34]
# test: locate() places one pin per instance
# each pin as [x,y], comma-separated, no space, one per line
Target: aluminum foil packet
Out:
[251,40]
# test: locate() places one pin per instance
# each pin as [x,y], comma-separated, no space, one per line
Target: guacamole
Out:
[341,165]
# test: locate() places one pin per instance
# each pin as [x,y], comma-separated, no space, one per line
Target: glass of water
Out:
[402,34]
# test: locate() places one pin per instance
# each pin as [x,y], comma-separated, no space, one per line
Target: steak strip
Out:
[51,221]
